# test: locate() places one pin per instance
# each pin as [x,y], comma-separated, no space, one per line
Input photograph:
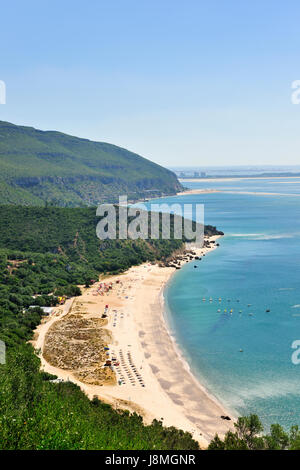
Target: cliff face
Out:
[38,166]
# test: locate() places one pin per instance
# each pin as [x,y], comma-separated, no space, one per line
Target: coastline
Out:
[186,365]
[141,339]
[197,191]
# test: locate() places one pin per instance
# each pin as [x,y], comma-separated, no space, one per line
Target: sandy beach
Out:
[150,376]
[197,191]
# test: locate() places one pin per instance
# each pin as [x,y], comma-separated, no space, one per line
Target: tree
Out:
[248,427]
[278,439]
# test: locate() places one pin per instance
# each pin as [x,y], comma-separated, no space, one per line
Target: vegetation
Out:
[248,436]
[36,413]
[70,235]
[37,166]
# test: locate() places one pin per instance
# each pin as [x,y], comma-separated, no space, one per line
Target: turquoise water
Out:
[257,263]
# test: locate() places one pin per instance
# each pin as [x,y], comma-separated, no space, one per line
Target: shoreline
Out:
[231,178]
[186,365]
[143,344]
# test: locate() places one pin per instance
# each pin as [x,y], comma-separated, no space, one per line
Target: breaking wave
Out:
[263,236]
[265,390]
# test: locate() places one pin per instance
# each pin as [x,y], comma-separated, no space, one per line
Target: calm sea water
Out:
[256,268]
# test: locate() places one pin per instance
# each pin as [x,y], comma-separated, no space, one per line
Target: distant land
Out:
[242,171]
[261,175]
[38,167]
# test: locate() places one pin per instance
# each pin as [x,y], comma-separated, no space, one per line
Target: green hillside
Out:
[71,234]
[38,166]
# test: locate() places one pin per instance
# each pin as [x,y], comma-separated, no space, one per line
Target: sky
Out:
[180,82]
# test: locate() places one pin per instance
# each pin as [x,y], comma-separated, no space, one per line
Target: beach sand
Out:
[197,191]
[152,378]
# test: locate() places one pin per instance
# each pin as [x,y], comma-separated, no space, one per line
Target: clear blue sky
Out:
[180,82]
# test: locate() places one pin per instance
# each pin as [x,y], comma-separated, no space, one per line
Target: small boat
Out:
[250,314]
[268,310]
[241,350]
[204,299]
[210,299]
[219,310]
[240,311]
[249,305]
[220,299]
[225,310]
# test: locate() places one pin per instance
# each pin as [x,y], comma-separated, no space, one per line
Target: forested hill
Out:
[70,233]
[38,166]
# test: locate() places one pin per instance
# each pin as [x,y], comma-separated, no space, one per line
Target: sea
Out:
[242,344]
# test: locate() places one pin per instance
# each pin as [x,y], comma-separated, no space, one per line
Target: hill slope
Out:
[38,166]
[71,233]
